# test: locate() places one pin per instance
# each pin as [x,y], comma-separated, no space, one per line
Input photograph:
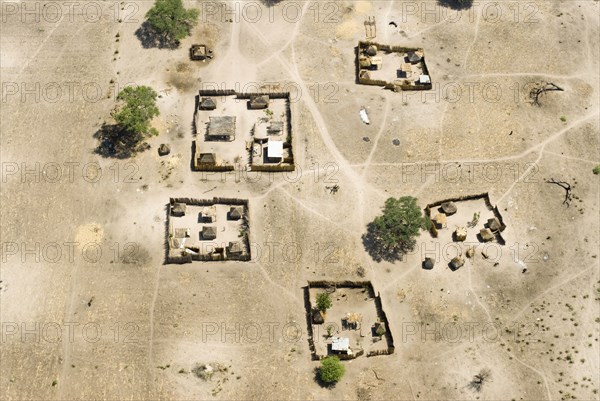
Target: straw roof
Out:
[207,103]
[178,209]
[449,208]
[235,247]
[209,232]
[221,126]
[428,263]
[259,102]
[460,234]
[456,263]
[181,232]
[207,158]
[486,234]
[354,317]
[236,212]
[494,224]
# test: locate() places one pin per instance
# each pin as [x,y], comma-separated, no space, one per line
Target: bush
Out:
[323,301]
[331,370]
[596,169]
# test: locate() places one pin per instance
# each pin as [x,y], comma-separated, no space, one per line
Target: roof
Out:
[235,247]
[178,208]
[424,79]
[275,149]
[181,232]
[221,126]
[413,58]
[275,126]
[440,218]
[428,263]
[340,344]
[486,234]
[236,212]
[494,224]
[207,103]
[354,317]
[259,101]
[210,230]
[208,158]
[376,60]
[449,208]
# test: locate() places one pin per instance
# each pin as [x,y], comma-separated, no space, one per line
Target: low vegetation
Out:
[331,370]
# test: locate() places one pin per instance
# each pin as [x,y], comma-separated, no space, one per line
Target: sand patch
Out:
[88,233]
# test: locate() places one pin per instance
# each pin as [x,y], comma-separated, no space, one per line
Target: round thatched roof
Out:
[372,50]
[428,263]
[449,208]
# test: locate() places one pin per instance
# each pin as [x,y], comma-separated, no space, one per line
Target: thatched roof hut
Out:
[178,209]
[456,263]
[364,62]
[221,128]
[235,247]
[371,50]
[428,263]
[181,232]
[258,102]
[494,224]
[317,317]
[164,149]
[460,234]
[486,235]
[208,159]
[413,58]
[449,208]
[235,213]
[275,128]
[207,103]
[209,232]
[440,220]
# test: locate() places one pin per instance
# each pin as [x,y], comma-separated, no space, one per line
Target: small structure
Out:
[449,208]
[440,220]
[364,116]
[413,58]
[206,216]
[275,128]
[376,62]
[221,128]
[379,329]
[353,320]
[200,52]
[235,213]
[371,51]
[460,234]
[181,233]
[274,151]
[486,235]
[456,263]
[424,79]
[428,263]
[317,317]
[341,345]
[235,248]
[164,149]
[178,210]
[494,224]
[208,159]
[209,232]
[207,103]
[258,102]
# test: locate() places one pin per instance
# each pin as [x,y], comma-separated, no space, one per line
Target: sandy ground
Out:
[88,310]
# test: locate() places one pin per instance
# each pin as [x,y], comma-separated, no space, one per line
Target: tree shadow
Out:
[150,38]
[118,143]
[378,251]
[456,4]
[321,382]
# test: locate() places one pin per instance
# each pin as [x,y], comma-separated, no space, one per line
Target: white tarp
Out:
[364,117]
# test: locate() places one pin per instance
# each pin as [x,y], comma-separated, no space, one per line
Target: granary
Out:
[221,128]
[275,128]
[449,208]
[235,213]
[460,234]
[209,232]
[341,345]
[353,320]
[164,149]
[207,103]
[428,263]
[178,209]
[274,151]
[181,233]
[456,263]
[486,235]
[235,247]
[371,50]
[494,224]
[440,220]
[258,102]
[208,159]
[413,58]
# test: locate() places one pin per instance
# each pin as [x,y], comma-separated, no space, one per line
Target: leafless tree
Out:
[537,91]
[567,187]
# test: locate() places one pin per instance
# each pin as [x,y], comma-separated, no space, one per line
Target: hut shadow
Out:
[375,250]
[118,143]
[456,4]
[150,38]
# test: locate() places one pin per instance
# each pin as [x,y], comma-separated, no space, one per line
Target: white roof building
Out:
[424,79]
[275,149]
[341,345]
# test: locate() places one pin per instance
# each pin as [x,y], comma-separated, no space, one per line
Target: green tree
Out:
[394,232]
[331,369]
[171,20]
[323,301]
[596,170]
[139,109]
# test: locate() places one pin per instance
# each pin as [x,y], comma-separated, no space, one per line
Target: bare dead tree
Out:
[540,89]
[479,379]
[567,187]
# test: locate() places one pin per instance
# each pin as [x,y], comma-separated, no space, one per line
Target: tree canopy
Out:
[139,109]
[331,369]
[323,301]
[171,20]
[394,232]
